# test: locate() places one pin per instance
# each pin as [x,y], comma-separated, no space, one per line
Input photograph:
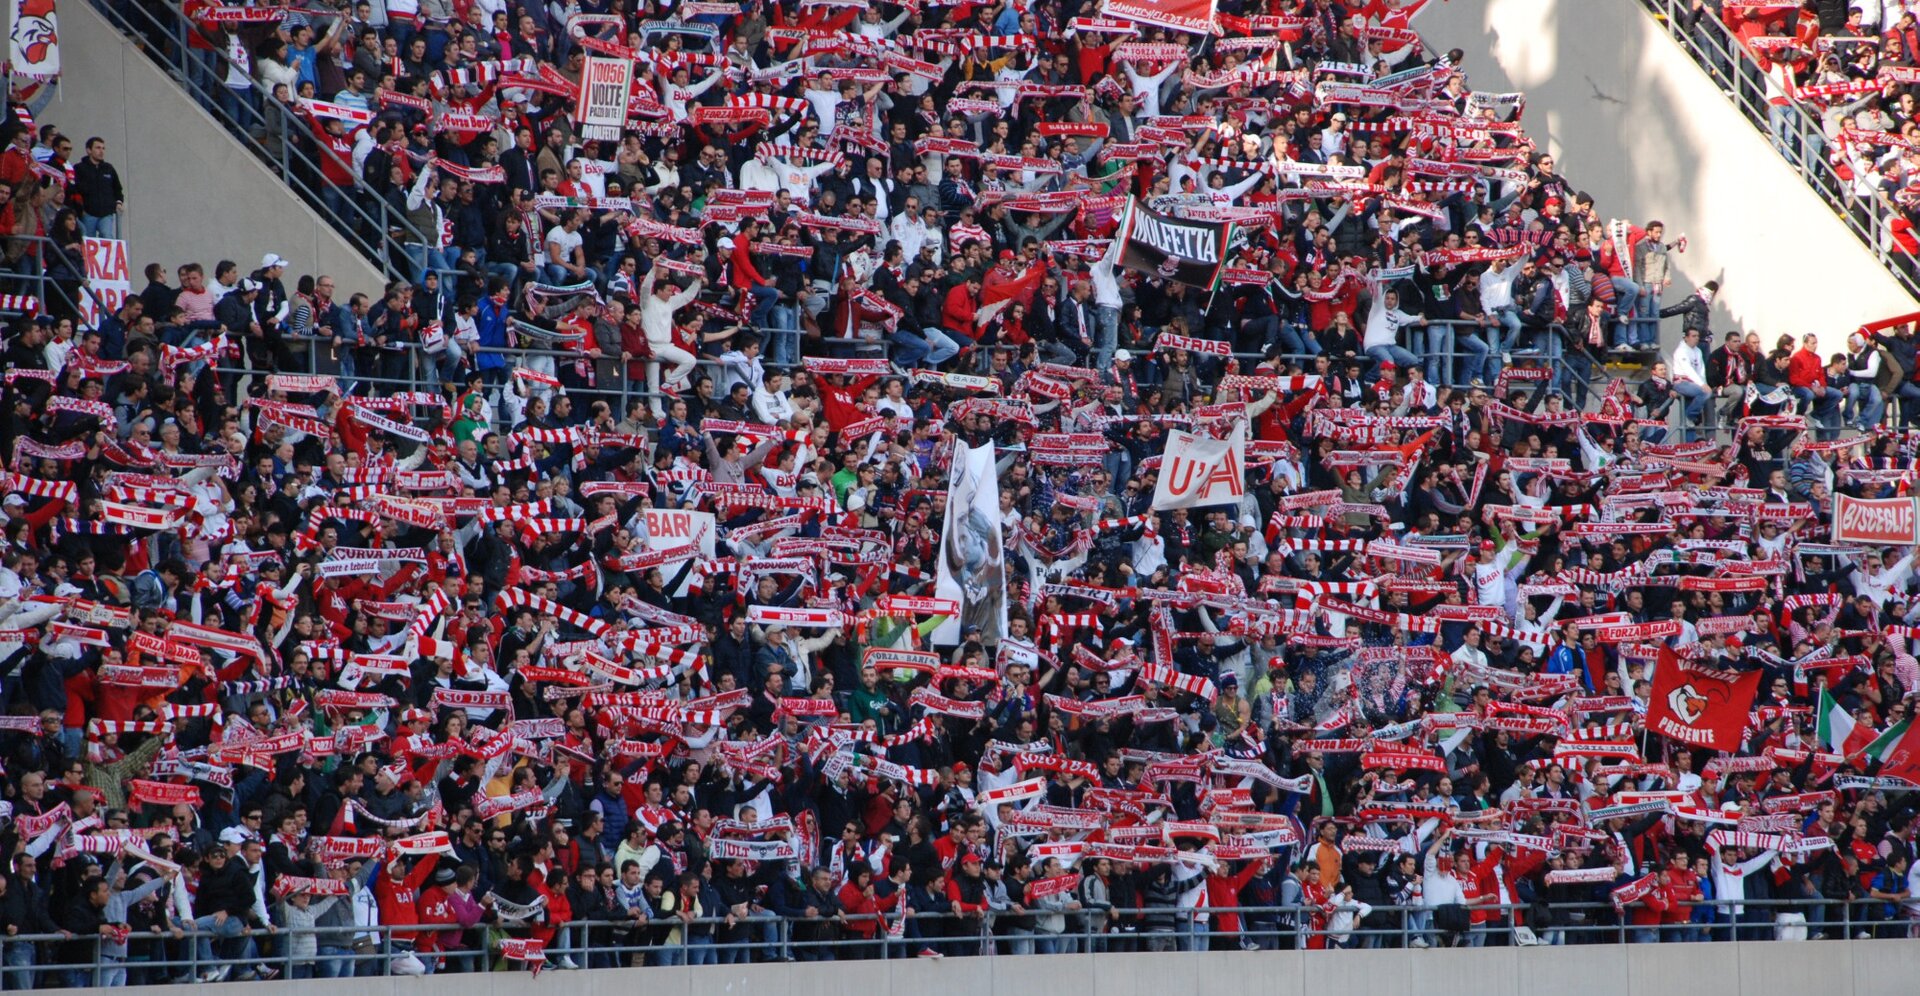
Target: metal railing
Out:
[275,135]
[194,954]
[1794,132]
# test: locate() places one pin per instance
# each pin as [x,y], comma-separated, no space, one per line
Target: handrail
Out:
[422,374]
[166,43]
[382,950]
[1793,131]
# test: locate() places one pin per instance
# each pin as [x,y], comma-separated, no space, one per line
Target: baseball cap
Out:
[726,242]
[234,835]
[1122,356]
[248,284]
[273,259]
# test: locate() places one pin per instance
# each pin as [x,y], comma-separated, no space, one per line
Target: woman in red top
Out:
[862,907]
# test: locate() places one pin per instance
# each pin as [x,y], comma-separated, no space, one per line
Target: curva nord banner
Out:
[1188,252]
[1875,521]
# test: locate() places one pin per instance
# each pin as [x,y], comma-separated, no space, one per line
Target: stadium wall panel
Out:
[1829,968]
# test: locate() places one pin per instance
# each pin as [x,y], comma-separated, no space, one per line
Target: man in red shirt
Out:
[1806,371]
[1683,889]
[746,278]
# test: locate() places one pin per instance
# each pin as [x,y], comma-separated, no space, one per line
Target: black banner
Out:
[1188,252]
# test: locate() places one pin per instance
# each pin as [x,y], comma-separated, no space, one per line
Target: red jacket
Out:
[399,902]
[956,314]
[744,274]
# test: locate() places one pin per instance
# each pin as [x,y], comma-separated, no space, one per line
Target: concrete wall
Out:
[1631,120]
[1838,968]
[194,193]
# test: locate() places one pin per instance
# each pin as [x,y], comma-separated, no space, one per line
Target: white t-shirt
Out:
[567,241]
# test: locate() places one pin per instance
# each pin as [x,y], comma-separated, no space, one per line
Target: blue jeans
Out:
[1392,354]
[700,951]
[1298,340]
[1439,347]
[557,274]
[1909,395]
[420,259]
[1696,398]
[783,340]
[1106,335]
[909,349]
[107,227]
[1867,404]
[208,930]
[1647,314]
[19,958]
[1483,356]
[764,297]
[332,962]
[942,346]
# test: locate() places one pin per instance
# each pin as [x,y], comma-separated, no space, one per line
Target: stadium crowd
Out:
[322,673]
[1853,65]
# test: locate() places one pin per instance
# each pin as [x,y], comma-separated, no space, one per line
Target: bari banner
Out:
[35,38]
[673,528]
[109,280]
[1875,521]
[1188,252]
[604,87]
[973,567]
[1180,15]
[1700,708]
[1198,470]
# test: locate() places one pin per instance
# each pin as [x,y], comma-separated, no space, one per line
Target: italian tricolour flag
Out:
[1841,734]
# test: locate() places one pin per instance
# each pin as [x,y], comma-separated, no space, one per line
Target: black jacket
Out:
[1694,314]
[229,889]
[98,187]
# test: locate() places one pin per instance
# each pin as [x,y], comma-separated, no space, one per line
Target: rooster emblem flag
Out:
[35,38]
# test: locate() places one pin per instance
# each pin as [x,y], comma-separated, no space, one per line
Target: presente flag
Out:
[1700,708]
[1840,734]
[973,567]
[1176,249]
[1198,470]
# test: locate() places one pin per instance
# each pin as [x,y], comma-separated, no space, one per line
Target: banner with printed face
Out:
[973,568]
[34,40]
[1875,521]
[601,109]
[1177,249]
[674,528]
[1198,470]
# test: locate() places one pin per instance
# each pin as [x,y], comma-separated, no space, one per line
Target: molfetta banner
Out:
[1188,252]
[973,566]
[1199,470]
[1875,521]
